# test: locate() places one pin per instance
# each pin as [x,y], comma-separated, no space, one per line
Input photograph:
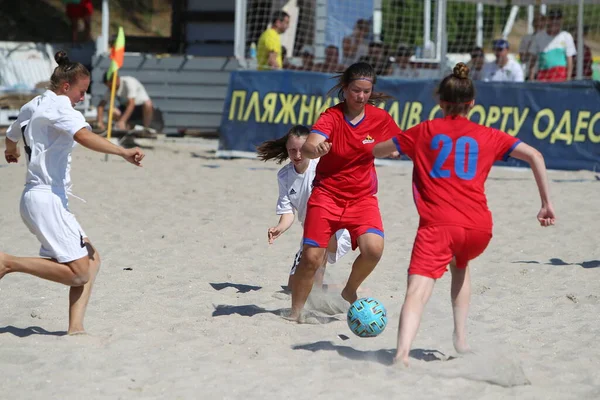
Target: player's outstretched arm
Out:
[385,149]
[535,159]
[315,146]
[285,222]
[94,142]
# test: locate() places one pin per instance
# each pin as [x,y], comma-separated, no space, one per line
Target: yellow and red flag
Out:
[117,53]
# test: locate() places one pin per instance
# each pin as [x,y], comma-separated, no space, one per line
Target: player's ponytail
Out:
[67,71]
[359,70]
[456,91]
[277,149]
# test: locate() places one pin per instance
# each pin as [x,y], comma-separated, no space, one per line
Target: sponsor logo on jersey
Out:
[368,140]
[292,191]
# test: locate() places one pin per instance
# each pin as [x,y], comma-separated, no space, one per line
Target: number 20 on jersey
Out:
[466,154]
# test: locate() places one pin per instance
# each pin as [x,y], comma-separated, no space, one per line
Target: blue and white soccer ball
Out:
[367,317]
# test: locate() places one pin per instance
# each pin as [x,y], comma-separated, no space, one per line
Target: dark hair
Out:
[356,71]
[277,149]
[67,71]
[279,16]
[476,52]
[457,91]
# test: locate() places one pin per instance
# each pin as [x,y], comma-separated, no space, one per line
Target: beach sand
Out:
[188,300]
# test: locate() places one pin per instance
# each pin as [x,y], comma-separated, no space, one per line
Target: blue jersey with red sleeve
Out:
[452,158]
[348,170]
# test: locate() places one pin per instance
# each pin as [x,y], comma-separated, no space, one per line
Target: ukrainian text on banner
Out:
[562,121]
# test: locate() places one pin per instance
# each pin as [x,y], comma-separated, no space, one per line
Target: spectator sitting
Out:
[269,53]
[553,49]
[402,67]
[308,58]
[331,64]
[80,10]
[539,25]
[356,45]
[476,63]
[378,58]
[504,69]
[134,103]
[588,60]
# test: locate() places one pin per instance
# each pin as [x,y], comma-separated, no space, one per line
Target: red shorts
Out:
[435,246]
[82,10]
[326,214]
[556,74]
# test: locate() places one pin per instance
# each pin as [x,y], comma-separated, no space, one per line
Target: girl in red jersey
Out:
[452,158]
[345,183]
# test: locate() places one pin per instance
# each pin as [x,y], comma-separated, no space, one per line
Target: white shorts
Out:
[47,216]
[344,245]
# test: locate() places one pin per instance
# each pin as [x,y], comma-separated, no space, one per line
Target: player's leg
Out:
[79,296]
[460,294]
[147,113]
[74,273]
[418,292]
[302,283]
[321,211]
[467,245]
[430,256]
[371,249]
[363,221]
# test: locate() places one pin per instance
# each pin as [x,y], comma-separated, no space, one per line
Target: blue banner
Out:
[562,121]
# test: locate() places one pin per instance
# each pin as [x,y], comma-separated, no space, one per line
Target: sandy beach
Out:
[187,302]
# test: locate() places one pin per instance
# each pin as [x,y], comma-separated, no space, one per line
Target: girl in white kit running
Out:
[50,127]
[295,186]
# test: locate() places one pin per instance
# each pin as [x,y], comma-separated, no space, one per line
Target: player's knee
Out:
[80,279]
[81,271]
[372,251]
[311,260]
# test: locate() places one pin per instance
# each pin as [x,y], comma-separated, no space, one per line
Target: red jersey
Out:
[348,170]
[452,158]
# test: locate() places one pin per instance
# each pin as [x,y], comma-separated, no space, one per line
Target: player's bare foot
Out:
[460,344]
[401,360]
[76,332]
[349,296]
[4,269]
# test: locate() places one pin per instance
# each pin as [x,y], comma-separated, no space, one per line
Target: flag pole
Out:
[111,108]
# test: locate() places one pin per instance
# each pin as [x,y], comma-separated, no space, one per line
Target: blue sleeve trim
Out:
[507,154]
[321,133]
[397,143]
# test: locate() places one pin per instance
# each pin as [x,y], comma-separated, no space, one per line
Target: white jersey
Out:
[14,131]
[50,133]
[295,189]
[511,72]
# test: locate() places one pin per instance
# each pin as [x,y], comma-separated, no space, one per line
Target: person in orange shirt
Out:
[269,53]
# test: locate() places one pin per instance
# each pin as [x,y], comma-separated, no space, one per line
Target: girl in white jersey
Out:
[295,186]
[50,126]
